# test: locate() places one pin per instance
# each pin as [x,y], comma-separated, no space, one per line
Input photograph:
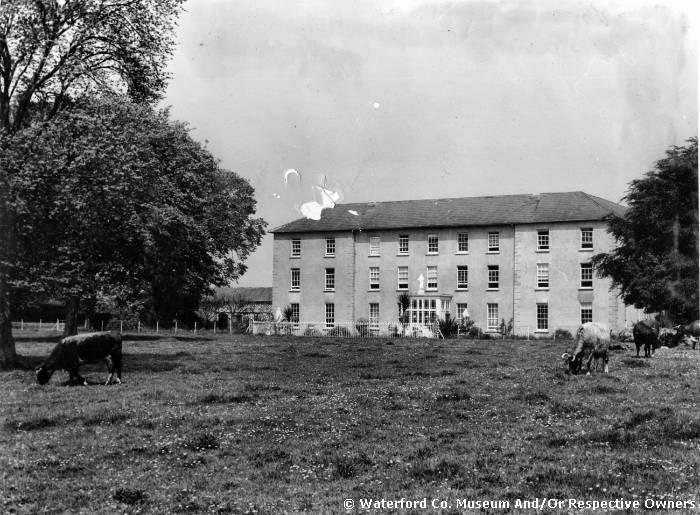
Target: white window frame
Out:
[542,316]
[403,249]
[297,272]
[491,318]
[295,315]
[462,282]
[586,267]
[329,280]
[373,317]
[330,246]
[402,285]
[460,307]
[587,309]
[542,275]
[330,315]
[433,244]
[463,243]
[374,277]
[494,241]
[586,238]
[431,274]
[374,245]
[493,269]
[543,240]
[295,250]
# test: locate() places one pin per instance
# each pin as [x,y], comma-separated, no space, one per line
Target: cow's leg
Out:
[110,369]
[75,377]
[117,361]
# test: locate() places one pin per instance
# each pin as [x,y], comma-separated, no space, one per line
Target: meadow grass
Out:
[240,424]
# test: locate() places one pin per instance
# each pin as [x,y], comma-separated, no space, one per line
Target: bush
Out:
[340,330]
[562,334]
[448,328]
[312,331]
[475,331]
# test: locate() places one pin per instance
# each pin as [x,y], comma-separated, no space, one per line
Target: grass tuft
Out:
[129,496]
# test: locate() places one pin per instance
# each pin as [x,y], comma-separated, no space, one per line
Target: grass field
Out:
[272,425]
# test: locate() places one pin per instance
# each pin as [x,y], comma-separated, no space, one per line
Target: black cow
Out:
[646,334]
[689,331]
[73,351]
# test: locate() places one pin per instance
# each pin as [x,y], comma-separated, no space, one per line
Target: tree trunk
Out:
[8,356]
[72,307]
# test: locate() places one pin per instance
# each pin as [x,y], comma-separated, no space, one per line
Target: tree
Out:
[53,52]
[113,199]
[655,263]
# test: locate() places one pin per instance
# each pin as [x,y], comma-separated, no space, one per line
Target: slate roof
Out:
[259,295]
[461,212]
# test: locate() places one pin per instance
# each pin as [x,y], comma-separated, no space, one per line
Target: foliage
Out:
[404,302]
[655,263]
[562,334]
[506,329]
[114,199]
[448,327]
[288,314]
[339,330]
[362,326]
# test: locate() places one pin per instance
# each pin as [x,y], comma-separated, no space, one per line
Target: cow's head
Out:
[42,375]
[573,362]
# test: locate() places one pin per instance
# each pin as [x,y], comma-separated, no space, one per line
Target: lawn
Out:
[242,424]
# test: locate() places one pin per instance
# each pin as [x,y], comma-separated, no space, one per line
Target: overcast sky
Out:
[404,99]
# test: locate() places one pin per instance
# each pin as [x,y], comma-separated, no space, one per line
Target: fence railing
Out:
[41,325]
[345,329]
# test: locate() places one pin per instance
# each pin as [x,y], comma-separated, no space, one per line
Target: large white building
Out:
[524,258]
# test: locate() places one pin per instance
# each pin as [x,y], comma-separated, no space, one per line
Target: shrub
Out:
[562,334]
[312,331]
[448,327]
[340,330]
[475,331]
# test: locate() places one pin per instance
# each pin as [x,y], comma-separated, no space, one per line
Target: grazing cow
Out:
[688,332]
[592,343]
[73,351]
[646,333]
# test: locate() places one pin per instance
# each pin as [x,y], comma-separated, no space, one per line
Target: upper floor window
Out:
[374,278]
[586,275]
[493,277]
[494,244]
[543,240]
[402,278]
[462,277]
[586,312]
[374,246]
[463,242]
[330,246]
[296,248]
[433,246]
[403,243]
[543,275]
[330,279]
[587,237]
[432,278]
[295,282]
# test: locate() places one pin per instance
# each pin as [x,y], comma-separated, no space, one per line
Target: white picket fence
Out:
[41,325]
[345,329]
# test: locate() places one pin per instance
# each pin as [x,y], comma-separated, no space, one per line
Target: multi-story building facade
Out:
[524,258]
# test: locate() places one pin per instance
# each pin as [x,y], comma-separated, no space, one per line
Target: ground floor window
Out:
[330,315]
[586,312]
[374,316]
[542,317]
[423,311]
[295,315]
[492,316]
[462,312]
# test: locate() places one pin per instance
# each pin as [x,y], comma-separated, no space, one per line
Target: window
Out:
[586,275]
[587,237]
[374,246]
[492,317]
[462,277]
[374,316]
[493,277]
[432,278]
[295,282]
[423,311]
[463,242]
[403,278]
[461,308]
[374,278]
[586,312]
[542,317]
[433,246]
[330,279]
[543,240]
[330,246]
[493,242]
[296,248]
[403,243]
[295,315]
[543,275]
[330,315]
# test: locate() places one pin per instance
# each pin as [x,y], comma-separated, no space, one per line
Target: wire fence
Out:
[345,329]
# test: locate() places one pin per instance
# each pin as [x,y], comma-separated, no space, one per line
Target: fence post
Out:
[176,326]
[21,325]
[85,325]
[40,324]
[138,330]
[195,327]
[229,325]
[215,327]
[58,327]
[156,326]
[121,326]
[102,325]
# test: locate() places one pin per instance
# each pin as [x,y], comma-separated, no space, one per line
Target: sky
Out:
[405,99]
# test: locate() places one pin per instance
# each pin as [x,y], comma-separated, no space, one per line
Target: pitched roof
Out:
[260,294]
[466,211]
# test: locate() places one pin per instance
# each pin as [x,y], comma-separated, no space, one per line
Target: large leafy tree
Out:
[112,199]
[53,52]
[655,263]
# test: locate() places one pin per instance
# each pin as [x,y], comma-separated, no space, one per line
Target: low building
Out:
[524,259]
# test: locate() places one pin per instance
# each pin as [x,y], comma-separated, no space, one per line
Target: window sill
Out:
[294,291]
[462,252]
[329,291]
[431,289]
[329,256]
[493,251]
[402,255]
[493,289]
[432,253]
[542,331]
[586,288]
[294,257]
[461,289]
[377,290]
[542,251]
[585,250]
[542,288]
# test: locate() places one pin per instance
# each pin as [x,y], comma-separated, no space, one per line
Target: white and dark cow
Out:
[592,342]
[73,351]
[688,332]
[646,334]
